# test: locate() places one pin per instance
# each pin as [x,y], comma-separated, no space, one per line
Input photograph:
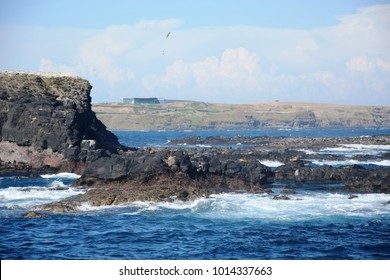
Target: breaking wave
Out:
[65,175]
[28,196]
[302,206]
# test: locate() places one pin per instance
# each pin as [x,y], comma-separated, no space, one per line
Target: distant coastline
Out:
[262,115]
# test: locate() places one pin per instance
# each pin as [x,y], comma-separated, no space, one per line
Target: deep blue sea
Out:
[319,222]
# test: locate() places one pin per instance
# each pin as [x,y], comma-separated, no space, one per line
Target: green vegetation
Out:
[201,115]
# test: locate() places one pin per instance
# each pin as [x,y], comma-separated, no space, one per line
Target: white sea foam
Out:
[271,163]
[86,207]
[351,162]
[302,206]
[64,175]
[351,149]
[131,208]
[29,196]
[203,146]
[307,151]
[367,147]
[356,149]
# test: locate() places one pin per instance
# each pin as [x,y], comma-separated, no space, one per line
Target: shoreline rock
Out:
[47,125]
[166,175]
[47,121]
[282,142]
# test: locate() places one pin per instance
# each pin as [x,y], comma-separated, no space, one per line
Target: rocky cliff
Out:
[46,121]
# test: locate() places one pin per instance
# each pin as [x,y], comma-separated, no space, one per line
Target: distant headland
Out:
[263,115]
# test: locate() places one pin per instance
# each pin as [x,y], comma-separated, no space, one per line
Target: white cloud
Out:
[360,64]
[364,64]
[383,64]
[368,19]
[363,33]
[47,65]
[235,70]
[113,54]
[238,63]
[341,63]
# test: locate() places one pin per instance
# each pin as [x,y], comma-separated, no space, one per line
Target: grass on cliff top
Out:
[37,84]
[197,115]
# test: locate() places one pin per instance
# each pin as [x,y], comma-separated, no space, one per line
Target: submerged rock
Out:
[281,197]
[60,206]
[34,215]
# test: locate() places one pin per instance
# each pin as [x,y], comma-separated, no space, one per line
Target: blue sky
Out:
[217,51]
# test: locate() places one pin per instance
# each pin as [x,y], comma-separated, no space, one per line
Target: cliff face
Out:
[47,120]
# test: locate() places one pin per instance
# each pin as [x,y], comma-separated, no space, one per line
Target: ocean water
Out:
[318,222]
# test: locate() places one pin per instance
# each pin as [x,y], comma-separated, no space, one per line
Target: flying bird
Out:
[169,33]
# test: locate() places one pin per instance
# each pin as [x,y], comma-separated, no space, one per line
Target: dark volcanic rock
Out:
[358,179]
[50,115]
[355,178]
[47,124]
[34,215]
[283,143]
[143,166]
[281,197]
[301,172]
[165,175]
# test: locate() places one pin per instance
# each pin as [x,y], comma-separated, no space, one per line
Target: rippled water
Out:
[318,222]
[223,227]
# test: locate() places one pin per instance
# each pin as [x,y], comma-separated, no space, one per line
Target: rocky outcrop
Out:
[145,165]
[301,171]
[34,215]
[47,124]
[355,178]
[46,120]
[368,181]
[166,175]
[282,143]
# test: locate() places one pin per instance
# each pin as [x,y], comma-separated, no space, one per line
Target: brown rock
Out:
[281,197]
[34,214]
